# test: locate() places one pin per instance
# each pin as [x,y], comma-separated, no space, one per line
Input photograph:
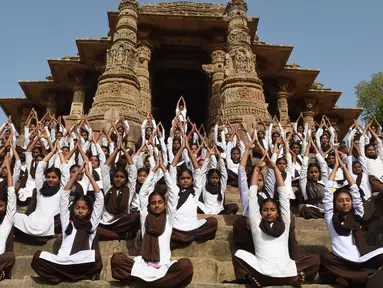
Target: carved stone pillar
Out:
[49,101]
[143,74]
[242,91]
[77,83]
[309,112]
[217,74]
[282,96]
[118,91]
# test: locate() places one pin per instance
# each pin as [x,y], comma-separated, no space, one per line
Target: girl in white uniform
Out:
[187,227]
[7,219]
[40,225]
[154,267]
[350,263]
[214,188]
[118,222]
[79,257]
[270,224]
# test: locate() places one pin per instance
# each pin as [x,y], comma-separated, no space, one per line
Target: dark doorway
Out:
[179,72]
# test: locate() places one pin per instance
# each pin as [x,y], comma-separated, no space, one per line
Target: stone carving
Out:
[244,62]
[184,8]
[125,34]
[121,57]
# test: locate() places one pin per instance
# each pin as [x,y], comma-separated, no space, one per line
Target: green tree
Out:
[370,97]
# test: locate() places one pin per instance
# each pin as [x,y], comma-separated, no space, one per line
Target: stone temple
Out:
[154,53]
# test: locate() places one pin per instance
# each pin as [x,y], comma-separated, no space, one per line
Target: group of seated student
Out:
[83,187]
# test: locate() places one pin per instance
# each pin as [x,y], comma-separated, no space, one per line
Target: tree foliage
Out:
[370,97]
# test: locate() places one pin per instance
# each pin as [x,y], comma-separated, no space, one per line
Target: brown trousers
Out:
[129,223]
[180,274]
[333,267]
[56,273]
[243,239]
[182,239]
[311,213]
[7,260]
[243,270]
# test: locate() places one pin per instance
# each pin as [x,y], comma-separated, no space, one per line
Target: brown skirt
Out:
[243,239]
[311,213]
[356,274]
[56,273]
[182,239]
[7,260]
[180,274]
[242,270]
[130,223]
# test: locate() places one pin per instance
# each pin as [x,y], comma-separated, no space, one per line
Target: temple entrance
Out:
[177,72]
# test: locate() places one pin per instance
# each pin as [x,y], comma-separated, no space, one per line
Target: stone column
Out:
[118,91]
[309,112]
[242,91]
[217,74]
[77,83]
[49,101]
[282,96]
[143,74]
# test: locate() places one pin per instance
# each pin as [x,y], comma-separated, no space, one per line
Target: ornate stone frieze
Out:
[184,8]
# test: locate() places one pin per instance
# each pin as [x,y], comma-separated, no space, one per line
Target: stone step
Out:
[34,282]
[223,239]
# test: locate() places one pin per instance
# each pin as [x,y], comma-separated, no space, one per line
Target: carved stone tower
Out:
[242,93]
[118,90]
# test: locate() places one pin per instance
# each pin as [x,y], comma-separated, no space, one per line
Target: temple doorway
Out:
[176,72]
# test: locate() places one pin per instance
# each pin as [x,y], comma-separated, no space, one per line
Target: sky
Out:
[342,38]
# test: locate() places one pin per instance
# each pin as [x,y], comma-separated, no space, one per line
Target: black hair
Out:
[346,190]
[368,146]
[74,166]
[295,143]
[38,148]
[142,170]
[122,169]
[155,193]
[98,159]
[316,165]
[212,171]
[275,133]
[65,147]
[86,132]
[182,170]
[55,170]
[280,159]
[89,202]
[272,200]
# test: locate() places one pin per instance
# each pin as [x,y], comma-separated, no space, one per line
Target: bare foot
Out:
[254,281]
[116,247]
[342,281]
[301,278]
[2,275]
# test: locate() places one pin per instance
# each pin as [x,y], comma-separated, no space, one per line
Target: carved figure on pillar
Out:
[143,74]
[216,72]
[243,99]
[282,102]
[119,88]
